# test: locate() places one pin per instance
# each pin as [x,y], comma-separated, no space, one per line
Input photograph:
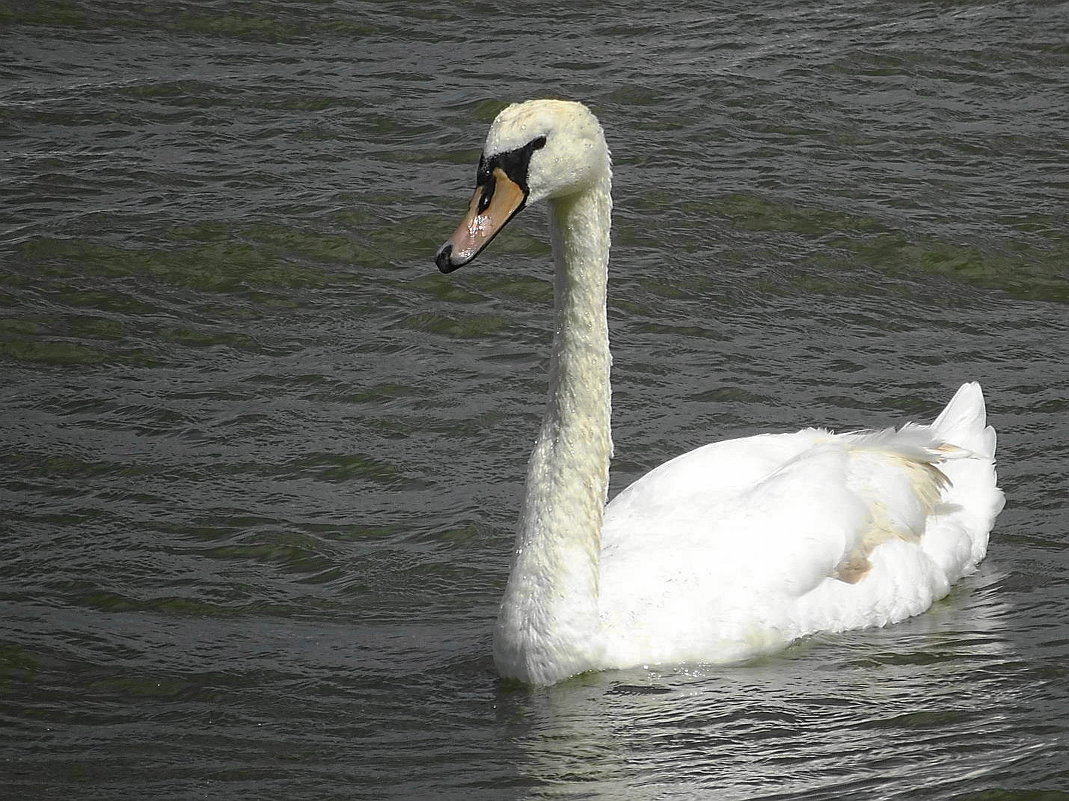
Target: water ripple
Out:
[261,464]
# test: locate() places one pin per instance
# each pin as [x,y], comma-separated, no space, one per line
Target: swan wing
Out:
[704,558]
[740,546]
[771,513]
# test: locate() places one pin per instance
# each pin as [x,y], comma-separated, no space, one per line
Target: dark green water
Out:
[260,462]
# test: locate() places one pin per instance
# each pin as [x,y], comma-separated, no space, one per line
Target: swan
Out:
[731,550]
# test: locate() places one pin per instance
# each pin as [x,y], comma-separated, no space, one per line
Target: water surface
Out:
[261,463]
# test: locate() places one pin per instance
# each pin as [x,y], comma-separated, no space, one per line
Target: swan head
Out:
[537,150]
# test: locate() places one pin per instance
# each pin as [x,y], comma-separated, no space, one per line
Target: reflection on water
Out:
[260,464]
[817,722]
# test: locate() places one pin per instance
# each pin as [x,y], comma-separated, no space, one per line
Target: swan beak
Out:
[495,202]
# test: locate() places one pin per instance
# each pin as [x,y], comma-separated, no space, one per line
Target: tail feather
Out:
[931,484]
[963,423]
[974,491]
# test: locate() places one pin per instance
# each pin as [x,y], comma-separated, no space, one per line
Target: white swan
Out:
[730,550]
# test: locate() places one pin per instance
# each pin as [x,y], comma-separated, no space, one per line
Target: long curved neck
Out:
[548,622]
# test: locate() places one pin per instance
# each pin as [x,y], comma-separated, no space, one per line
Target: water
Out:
[261,462]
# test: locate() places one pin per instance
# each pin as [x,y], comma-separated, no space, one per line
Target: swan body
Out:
[731,550]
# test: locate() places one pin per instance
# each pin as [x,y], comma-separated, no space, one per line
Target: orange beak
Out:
[494,203]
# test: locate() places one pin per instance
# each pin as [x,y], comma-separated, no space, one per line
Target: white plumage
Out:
[728,551]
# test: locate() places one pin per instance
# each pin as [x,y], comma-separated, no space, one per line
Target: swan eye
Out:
[487,195]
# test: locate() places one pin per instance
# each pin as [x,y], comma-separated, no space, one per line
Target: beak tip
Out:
[442,258]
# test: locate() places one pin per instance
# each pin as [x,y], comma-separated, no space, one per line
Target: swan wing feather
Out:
[753,542]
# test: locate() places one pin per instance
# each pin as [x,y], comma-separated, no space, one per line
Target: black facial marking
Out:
[484,172]
[514,163]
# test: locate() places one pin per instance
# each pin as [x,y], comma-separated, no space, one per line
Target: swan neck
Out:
[548,624]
